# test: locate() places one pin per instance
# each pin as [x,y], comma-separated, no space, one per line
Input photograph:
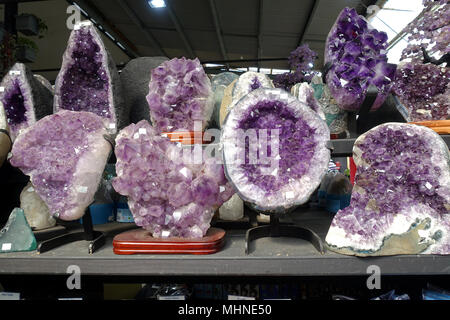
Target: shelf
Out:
[268,257]
[344,147]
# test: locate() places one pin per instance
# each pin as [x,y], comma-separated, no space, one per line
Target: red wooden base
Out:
[140,241]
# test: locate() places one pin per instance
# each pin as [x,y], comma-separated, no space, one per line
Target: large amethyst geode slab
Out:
[400,203]
[357,57]
[25,99]
[171,192]
[275,149]
[423,90]
[88,80]
[180,95]
[64,154]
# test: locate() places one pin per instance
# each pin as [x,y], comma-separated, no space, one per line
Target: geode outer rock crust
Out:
[5,140]
[89,81]
[272,119]
[64,154]
[168,193]
[400,202]
[305,93]
[246,83]
[357,54]
[24,98]
[36,211]
[135,78]
[180,94]
[219,83]
[423,91]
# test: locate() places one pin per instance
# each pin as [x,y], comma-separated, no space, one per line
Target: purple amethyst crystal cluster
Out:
[274,149]
[64,154]
[301,62]
[88,80]
[180,94]
[24,98]
[169,193]
[424,91]
[357,57]
[400,203]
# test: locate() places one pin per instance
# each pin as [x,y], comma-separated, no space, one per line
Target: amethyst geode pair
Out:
[275,149]
[64,154]
[25,99]
[169,193]
[88,80]
[400,202]
[356,54]
[180,95]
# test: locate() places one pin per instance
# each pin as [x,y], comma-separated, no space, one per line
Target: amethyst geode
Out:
[275,149]
[357,57]
[25,99]
[423,90]
[179,95]
[88,80]
[400,202]
[169,194]
[64,154]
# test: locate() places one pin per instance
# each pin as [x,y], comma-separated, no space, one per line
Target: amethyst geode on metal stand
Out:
[64,154]
[180,94]
[25,99]
[356,57]
[400,202]
[285,156]
[88,80]
[170,193]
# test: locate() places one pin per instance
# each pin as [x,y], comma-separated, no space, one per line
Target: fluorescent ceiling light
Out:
[157,3]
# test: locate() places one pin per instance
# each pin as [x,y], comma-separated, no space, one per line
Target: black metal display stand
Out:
[275,229]
[96,238]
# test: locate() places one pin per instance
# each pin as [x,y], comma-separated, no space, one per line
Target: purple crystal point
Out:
[274,149]
[424,91]
[357,54]
[64,154]
[168,193]
[180,94]
[400,203]
[88,80]
[25,99]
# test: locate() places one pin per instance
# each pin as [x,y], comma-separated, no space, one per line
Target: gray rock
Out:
[135,78]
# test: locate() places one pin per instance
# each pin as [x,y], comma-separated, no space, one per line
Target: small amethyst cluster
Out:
[424,91]
[168,193]
[54,163]
[402,179]
[179,94]
[358,59]
[14,104]
[301,62]
[85,85]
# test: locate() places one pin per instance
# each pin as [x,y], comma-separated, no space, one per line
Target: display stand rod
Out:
[96,238]
[275,229]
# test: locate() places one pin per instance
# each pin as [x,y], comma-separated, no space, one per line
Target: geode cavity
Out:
[169,193]
[356,54]
[400,202]
[88,80]
[64,154]
[275,149]
[24,98]
[179,95]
